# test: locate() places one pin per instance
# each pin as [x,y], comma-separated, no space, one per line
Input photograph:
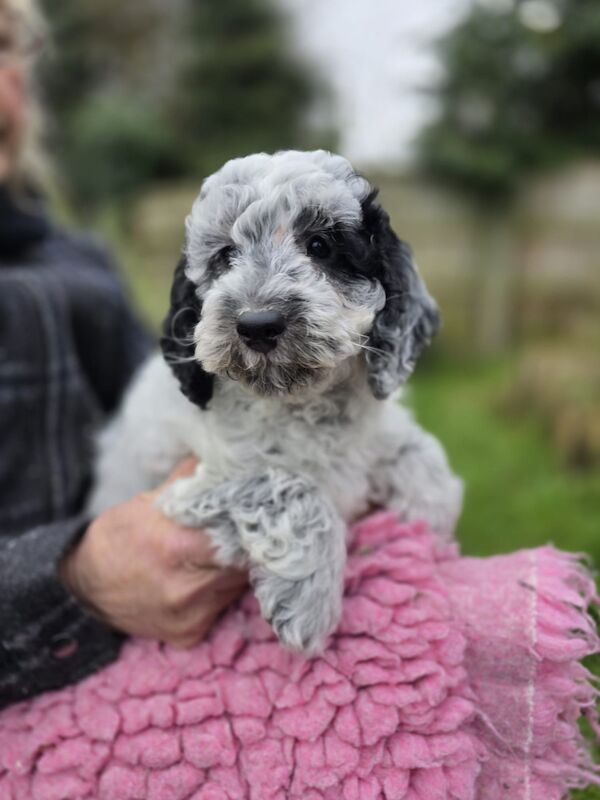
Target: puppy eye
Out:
[226,252]
[220,261]
[318,247]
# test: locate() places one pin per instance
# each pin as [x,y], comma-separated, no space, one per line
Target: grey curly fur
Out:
[288,534]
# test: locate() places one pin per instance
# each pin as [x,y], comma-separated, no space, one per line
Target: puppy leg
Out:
[192,502]
[298,553]
[415,480]
[293,540]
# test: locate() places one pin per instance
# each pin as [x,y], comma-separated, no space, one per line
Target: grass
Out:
[517,493]
[592,793]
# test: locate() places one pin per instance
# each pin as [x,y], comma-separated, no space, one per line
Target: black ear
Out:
[177,341]
[409,319]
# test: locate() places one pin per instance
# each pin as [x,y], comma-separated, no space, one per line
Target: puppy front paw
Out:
[302,613]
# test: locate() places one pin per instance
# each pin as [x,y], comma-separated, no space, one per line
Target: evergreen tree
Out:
[71,70]
[520,92]
[240,90]
[106,134]
[143,90]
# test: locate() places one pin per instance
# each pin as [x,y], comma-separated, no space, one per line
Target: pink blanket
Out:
[448,679]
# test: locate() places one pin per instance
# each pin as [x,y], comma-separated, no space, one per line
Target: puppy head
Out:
[291,269]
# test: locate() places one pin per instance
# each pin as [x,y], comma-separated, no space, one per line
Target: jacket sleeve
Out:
[47,639]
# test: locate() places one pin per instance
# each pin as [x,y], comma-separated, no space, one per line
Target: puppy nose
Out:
[260,329]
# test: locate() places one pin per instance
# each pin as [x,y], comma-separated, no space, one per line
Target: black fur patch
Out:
[409,319]
[220,262]
[177,341]
[351,252]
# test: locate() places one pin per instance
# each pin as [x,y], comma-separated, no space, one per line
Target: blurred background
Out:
[480,122]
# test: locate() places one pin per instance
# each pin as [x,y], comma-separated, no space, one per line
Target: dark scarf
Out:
[22,224]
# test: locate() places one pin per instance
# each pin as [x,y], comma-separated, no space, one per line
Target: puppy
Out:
[296,313]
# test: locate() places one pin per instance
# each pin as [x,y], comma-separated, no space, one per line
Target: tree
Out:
[145,89]
[520,93]
[107,134]
[240,90]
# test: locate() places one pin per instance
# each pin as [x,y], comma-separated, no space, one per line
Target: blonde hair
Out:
[32,168]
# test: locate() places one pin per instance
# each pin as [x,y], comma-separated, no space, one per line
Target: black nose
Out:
[260,329]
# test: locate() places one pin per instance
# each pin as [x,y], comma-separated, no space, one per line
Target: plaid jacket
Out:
[68,346]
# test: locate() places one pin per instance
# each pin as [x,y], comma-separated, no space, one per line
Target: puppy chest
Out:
[334,454]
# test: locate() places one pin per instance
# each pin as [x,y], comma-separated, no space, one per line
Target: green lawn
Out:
[517,494]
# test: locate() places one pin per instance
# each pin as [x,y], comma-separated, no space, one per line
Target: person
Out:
[71,589]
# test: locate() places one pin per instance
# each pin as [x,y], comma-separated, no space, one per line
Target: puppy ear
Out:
[177,341]
[410,317]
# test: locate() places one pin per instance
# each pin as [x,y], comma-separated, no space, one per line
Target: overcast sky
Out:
[376,54]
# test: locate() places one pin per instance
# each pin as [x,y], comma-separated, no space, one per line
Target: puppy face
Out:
[290,270]
[284,272]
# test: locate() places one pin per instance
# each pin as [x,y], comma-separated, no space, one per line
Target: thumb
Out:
[182,470]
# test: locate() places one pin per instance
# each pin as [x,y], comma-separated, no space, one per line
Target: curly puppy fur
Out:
[296,427]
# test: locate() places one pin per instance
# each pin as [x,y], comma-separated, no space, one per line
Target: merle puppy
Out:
[296,313]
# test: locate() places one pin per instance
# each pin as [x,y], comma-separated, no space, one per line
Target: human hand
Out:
[147,576]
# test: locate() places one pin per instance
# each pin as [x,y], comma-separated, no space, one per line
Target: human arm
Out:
[47,638]
[70,591]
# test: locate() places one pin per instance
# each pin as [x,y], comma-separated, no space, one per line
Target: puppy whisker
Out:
[369,348]
[185,341]
[186,337]
[180,359]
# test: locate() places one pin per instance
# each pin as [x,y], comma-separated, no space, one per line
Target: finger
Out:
[199,552]
[206,590]
[194,550]
[231,579]
[200,631]
[201,619]
[218,579]
[225,598]
[182,470]
[212,609]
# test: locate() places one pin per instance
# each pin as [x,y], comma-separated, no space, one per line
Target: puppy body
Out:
[358,450]
[298,432]
[323,460]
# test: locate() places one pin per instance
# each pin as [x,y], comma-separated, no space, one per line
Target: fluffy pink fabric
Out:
[448,679]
